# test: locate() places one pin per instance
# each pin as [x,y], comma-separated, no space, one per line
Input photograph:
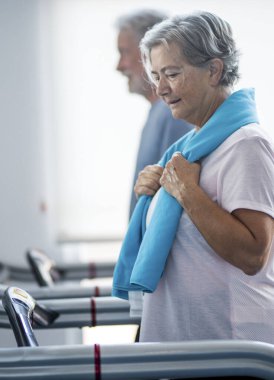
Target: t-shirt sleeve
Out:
[246,179]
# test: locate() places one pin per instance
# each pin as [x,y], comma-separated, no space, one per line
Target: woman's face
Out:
[185,88]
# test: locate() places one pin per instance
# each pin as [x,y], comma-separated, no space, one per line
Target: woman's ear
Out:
[216,67]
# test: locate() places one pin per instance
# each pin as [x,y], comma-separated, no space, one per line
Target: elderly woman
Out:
[216,200]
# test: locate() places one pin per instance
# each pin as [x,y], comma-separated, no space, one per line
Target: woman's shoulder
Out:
[250,143]
[250,131]
[250,135]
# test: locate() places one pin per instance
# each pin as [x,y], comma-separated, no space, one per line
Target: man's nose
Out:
[119,66]
[123,64]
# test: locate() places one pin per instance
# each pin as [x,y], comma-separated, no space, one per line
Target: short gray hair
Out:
[201,36]
[140,21]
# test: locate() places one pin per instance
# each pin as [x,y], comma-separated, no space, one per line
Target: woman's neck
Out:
[219,97]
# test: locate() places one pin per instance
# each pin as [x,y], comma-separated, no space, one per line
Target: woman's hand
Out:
[180,176]
[148,181]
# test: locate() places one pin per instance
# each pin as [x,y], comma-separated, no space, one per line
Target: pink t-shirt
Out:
[200,295]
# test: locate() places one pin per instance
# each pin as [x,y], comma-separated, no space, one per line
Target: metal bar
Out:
[182,360]
[83,320]
[84,312]
[13,273]
[89,239]
[64,291]
[78,305]
[67,271]
[190,359]
[56,363]
[85,271]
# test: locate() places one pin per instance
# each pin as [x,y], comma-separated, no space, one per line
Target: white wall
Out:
[25,204]
[26,192]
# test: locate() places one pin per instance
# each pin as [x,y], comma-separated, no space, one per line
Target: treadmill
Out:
[55,282]
[136,361]
[57,272]
[46,272]
[73,312]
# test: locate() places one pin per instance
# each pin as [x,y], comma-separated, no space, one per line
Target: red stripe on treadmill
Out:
[97,291]
[93,311]
[92,270]
[97,362]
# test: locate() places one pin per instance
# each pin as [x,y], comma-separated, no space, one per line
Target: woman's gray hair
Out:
[140,21]
[201,36]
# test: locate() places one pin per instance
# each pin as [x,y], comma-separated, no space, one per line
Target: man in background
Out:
[160,129]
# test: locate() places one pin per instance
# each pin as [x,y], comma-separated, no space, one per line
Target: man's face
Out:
[129,63]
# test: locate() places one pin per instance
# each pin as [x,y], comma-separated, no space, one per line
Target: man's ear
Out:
[216,67]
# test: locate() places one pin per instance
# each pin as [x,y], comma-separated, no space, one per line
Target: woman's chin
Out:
[175,113]
[178,114]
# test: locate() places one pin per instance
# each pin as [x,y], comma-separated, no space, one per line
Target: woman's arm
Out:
[242,238]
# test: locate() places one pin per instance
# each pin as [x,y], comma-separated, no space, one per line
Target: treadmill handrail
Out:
[199,359]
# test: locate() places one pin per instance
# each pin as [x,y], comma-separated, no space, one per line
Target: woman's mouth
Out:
[173,102]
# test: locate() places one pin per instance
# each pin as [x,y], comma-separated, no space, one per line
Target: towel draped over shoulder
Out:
[144,251]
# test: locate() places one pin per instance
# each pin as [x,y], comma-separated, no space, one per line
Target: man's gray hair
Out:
[201,36]
[140,21]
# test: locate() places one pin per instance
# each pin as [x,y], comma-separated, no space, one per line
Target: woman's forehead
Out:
[167,55]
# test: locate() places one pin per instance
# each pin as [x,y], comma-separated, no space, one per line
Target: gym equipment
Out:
[150,361]
[40,264]
[47,273]
[56,281]
[64,291]
[66,313]
[20,308]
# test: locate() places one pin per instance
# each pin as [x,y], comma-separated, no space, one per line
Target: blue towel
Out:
[144,251]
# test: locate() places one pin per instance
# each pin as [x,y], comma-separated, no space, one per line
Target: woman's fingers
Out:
[148,181]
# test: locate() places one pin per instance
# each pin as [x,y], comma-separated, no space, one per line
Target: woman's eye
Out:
[173,75]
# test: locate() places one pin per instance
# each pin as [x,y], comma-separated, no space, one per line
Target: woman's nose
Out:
[162,87]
